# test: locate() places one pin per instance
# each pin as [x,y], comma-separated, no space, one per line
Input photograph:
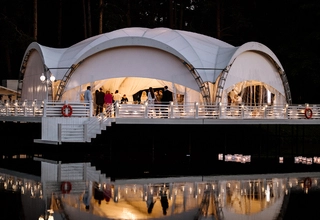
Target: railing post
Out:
[7,109]
[286,111]
[242,111]
[171,110]
[16,107]
[34,104]
[117,109]
[25,110]
[196,106]
[220,109]
[91,108]
[265,111]
[146,110]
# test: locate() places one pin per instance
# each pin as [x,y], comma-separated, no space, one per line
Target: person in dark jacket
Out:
[167,95]
[99,101]
[166,99]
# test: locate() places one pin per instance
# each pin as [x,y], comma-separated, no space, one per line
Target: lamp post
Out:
[47,81]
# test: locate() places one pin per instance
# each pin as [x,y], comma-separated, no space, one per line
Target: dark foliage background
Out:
[290,28]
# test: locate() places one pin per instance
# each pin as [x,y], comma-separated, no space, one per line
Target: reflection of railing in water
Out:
[58,206]
[209,198]
[10,182]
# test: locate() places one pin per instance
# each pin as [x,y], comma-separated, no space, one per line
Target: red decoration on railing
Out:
[67,113]
[308,113]
[66,187]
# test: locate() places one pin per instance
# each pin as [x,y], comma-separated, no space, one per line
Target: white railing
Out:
[170,110]
[21,108]
[57,109]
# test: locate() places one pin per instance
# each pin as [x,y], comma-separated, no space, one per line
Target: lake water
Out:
[247,197]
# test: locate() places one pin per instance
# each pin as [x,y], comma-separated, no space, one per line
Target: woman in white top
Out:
[151,96]
[143,97]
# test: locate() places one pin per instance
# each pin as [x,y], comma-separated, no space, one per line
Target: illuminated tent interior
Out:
[196,67]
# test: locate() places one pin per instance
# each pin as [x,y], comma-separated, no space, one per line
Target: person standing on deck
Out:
[151,96]
[99,101]
[166,99]
[87,94]
[108,101]
[166,96]
[117,97]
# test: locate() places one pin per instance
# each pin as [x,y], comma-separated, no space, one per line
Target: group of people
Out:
[154,97]
[105,99]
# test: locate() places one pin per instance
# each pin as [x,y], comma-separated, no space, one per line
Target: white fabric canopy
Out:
[137,58]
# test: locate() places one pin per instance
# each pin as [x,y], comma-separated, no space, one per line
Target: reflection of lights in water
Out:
[31,191]
[22,190]
[127,215]
[267,192]
[5,185]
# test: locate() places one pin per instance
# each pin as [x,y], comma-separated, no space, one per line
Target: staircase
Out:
[84,132]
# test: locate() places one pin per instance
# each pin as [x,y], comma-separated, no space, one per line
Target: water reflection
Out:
[237,197]
[230,198]
[22,185]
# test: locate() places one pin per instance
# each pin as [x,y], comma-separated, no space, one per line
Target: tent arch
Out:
[123,62]
[253,62]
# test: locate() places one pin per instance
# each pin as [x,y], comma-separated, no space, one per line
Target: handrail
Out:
[161,110]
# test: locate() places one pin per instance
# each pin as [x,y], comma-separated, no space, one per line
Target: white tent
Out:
[133,59]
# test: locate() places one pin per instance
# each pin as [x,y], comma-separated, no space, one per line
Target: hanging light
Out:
[42,78]
[52,78]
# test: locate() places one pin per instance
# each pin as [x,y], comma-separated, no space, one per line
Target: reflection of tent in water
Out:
[195,67]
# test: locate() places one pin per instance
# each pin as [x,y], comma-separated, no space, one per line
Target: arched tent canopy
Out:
[132,59]
[254,67]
